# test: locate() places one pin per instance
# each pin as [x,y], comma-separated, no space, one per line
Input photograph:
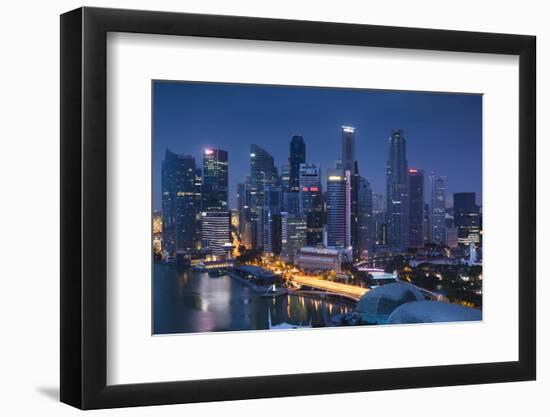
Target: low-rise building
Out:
[319,259]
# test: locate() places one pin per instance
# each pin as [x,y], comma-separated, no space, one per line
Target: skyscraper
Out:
[271,219]
[466,218]
[180,208]
[397,196]
[215,180]
[285,178]
[216,233]
[365,226]
[311,202]
[338,208]
[416,208]
[297,157]
[293,234]
[243,207]
[378,203]
[262,173]
[348,148]
[437,210]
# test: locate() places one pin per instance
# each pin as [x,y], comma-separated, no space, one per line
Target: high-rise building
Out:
[180,208]
[293,234]
[427,228]
[243,207]
[452,237]
[271,219]
[437,210]
[214,180]
[397,195]
[338,208]
[348,148]
[365,227]
[297,157]
[262,173]
[416,208]
[378,203]
[216,233]
[291,202]
[311,202]
[467,218]
[285,178]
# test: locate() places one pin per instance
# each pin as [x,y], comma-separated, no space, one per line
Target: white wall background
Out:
[29,177]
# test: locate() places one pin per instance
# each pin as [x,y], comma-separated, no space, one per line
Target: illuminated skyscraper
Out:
[397,216]
[311,202]
[285,178]
[293,234]
[467,218]
[262,173]
[348,148]
[297,157]
[416,208]
[216,233]
[271,219]
[365,226]
[180,206]
[214,180]
[338,208]
[437,210]
[243,208]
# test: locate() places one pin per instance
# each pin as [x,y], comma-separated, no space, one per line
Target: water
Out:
[190,301]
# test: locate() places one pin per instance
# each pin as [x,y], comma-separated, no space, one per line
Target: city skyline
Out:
[459,117]
[307,218]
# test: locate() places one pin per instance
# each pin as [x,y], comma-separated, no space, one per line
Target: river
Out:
[186,301]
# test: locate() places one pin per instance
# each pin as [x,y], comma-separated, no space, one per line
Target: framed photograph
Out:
[257,208]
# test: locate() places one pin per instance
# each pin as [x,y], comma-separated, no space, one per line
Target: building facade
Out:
[365,226]
[467,218]
[416,208]
[293,234]
[216,233]
[215,181]
[297,156]
[338,208]
[437,210]
[180,206]
[311,202]
[397,196]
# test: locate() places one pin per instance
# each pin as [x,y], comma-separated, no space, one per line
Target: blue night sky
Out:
[443,131]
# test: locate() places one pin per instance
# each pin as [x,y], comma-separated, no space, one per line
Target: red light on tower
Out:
[315,189]
[413,171]
[305,189]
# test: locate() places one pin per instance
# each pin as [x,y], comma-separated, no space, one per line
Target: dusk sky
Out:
[443,132]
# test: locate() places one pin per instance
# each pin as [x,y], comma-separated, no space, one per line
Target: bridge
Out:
[331,288]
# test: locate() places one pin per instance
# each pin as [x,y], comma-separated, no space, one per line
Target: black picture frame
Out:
[84,207]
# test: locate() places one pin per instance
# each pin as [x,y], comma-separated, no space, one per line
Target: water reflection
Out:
[190,301]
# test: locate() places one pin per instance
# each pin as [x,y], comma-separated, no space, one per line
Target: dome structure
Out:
[376,305]
[432,312]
